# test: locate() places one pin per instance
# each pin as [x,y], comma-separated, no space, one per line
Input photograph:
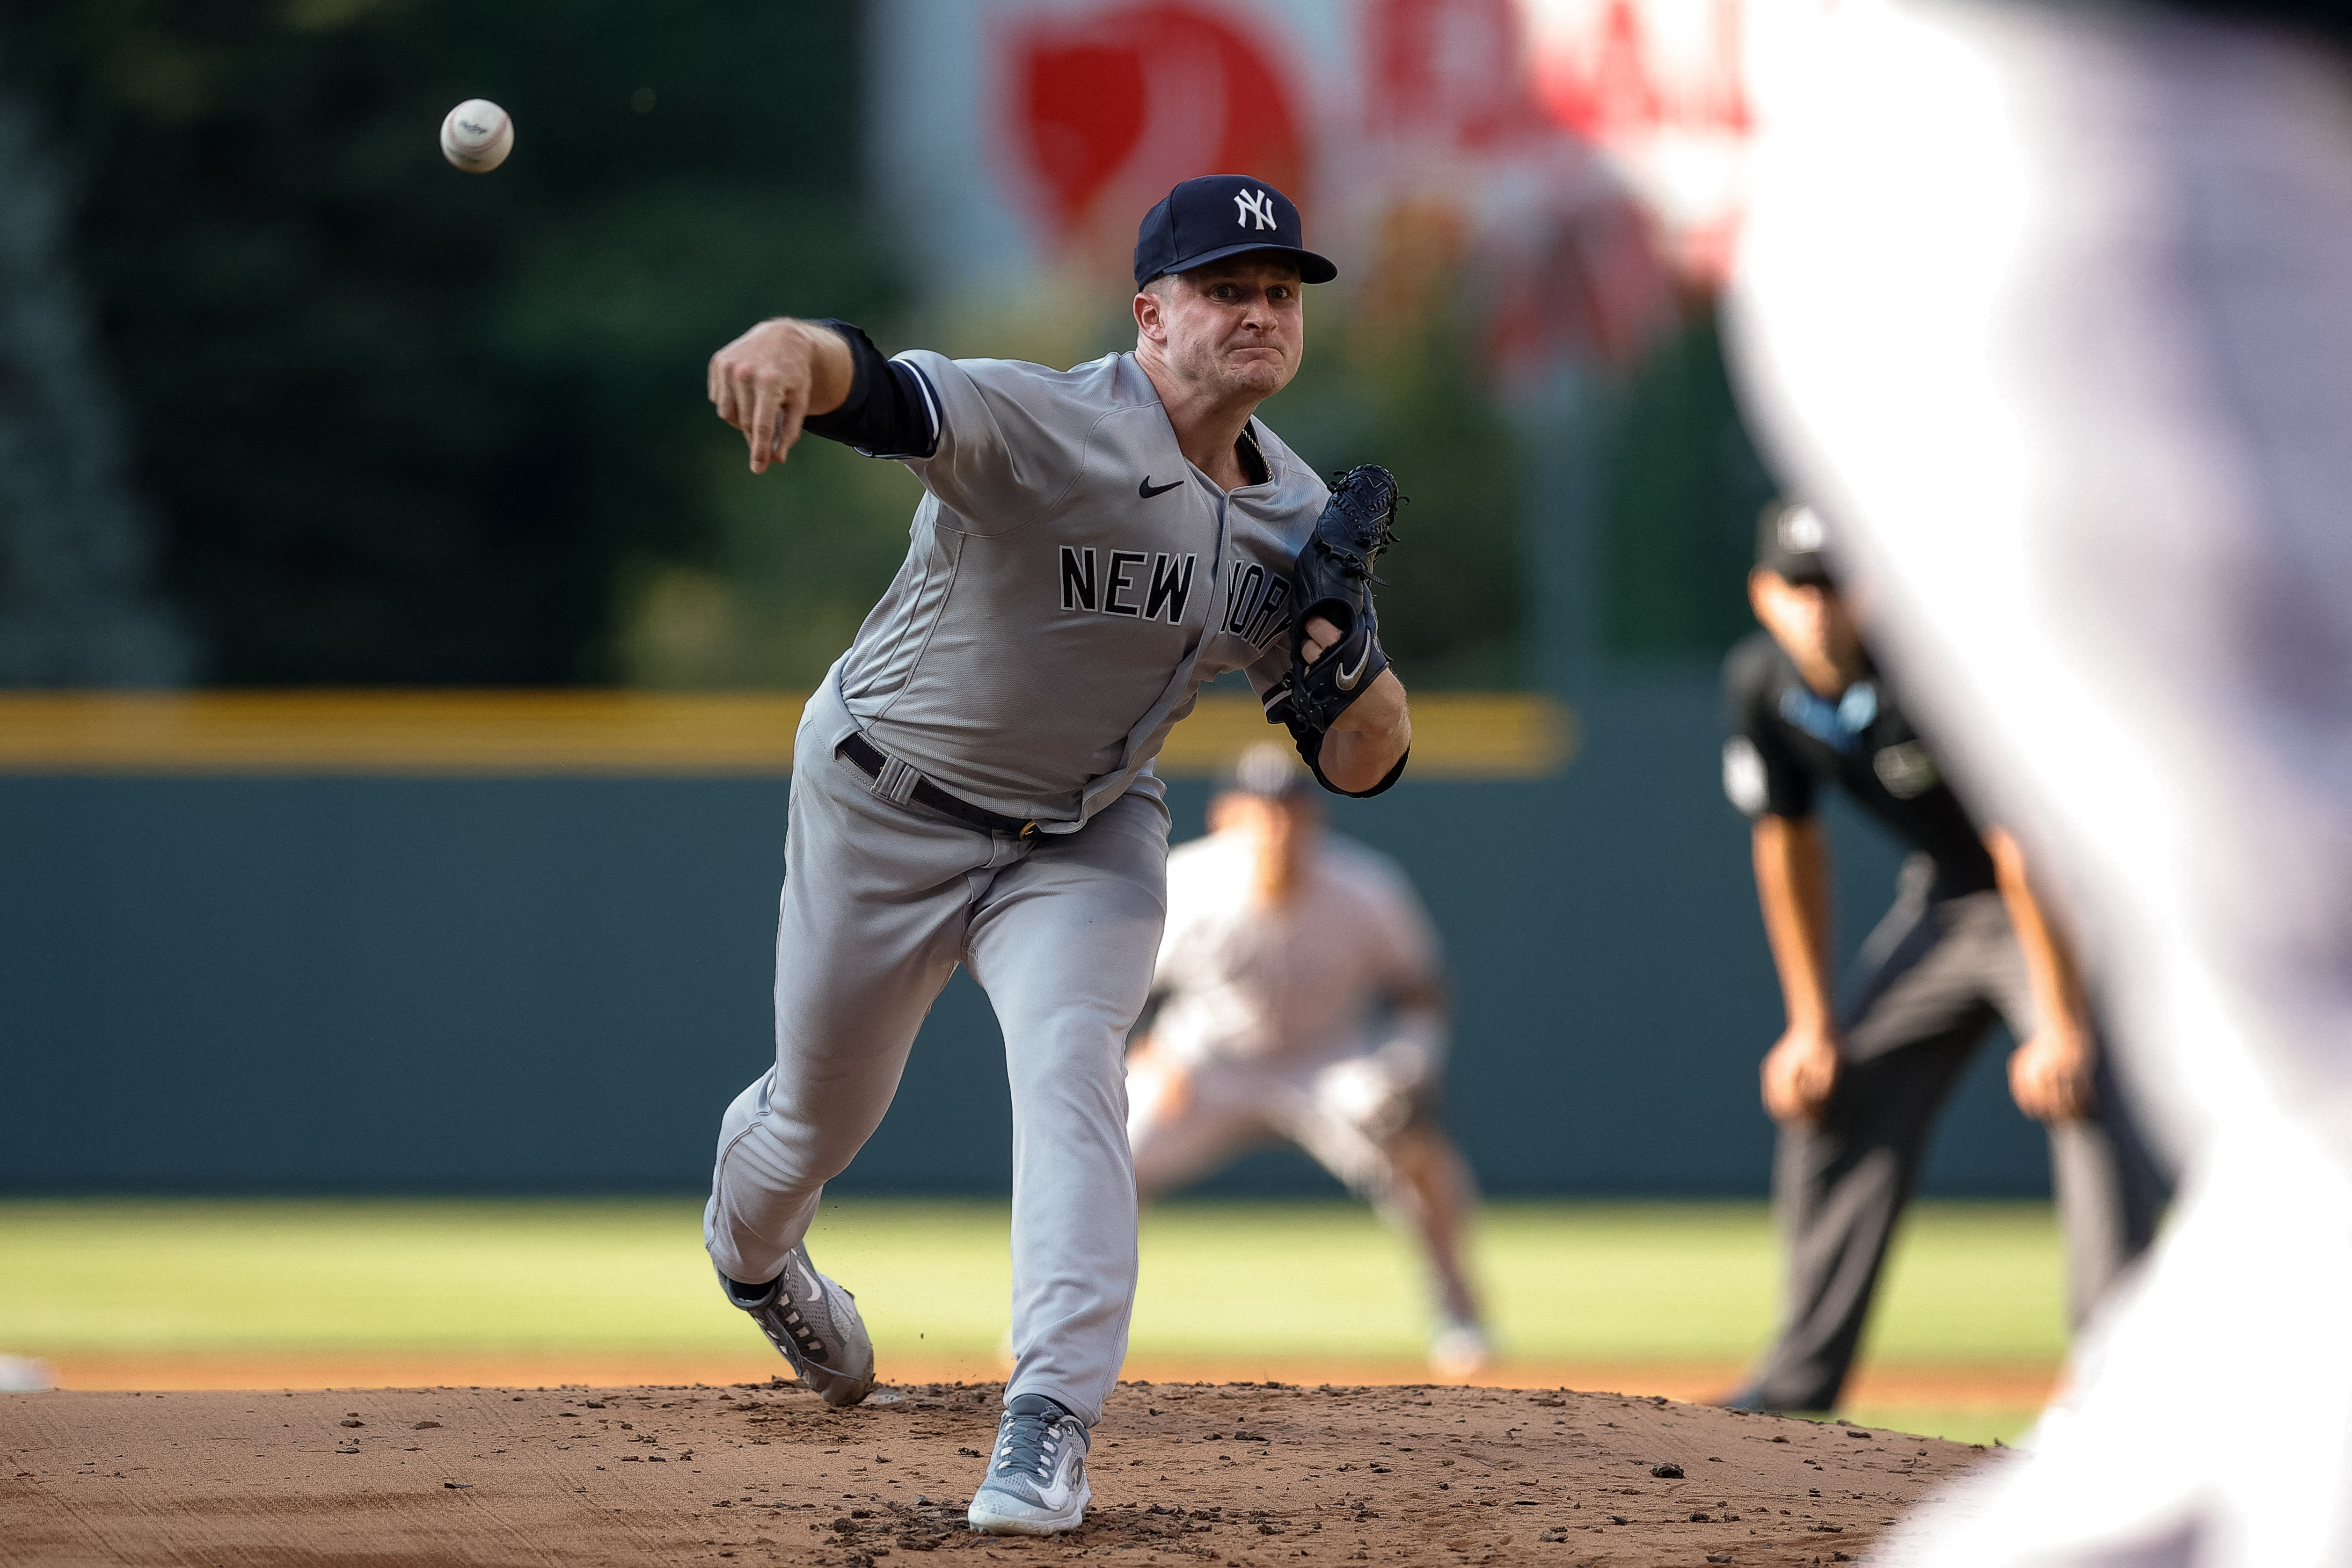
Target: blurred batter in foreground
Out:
[2048,306]
[1266,1030]
[1856,1091]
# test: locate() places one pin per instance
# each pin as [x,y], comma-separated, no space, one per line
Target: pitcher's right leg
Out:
[873,913]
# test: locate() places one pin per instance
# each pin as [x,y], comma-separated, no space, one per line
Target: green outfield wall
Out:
[224,980]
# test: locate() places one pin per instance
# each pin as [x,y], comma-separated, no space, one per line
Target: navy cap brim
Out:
[1312,269]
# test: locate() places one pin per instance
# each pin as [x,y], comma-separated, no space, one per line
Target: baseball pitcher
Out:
[972,783]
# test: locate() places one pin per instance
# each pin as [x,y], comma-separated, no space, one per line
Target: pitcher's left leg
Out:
[1064,944]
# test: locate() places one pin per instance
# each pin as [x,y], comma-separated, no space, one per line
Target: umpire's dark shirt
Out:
[1787,741]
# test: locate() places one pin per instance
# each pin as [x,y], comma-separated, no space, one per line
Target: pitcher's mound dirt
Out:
[1183,1474]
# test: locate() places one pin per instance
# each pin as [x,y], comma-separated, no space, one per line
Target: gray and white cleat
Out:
[1036,1482]
[816,1323]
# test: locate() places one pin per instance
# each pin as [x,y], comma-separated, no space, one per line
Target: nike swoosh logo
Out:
[1348,678]
[1148,489]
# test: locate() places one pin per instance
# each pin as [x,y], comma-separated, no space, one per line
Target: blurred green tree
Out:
[406,424]
[1683,491]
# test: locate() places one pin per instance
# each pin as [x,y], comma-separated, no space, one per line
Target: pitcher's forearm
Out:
[1368,740]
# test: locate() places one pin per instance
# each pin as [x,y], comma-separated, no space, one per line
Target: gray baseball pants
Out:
[1936,973]
[880,902]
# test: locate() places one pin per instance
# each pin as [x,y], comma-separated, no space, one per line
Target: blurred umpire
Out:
[1855,1089]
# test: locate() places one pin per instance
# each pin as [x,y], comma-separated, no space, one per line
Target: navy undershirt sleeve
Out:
[888,413]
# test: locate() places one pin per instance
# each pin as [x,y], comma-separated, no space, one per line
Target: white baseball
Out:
[477,136]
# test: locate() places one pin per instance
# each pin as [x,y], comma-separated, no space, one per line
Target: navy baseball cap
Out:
[1218,215]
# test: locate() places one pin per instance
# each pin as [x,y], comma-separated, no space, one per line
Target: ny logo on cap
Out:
[1258,205]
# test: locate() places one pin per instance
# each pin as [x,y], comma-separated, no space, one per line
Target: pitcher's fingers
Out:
[728,390]
[722,394]
[1320,635]
[789,418]
[766,402]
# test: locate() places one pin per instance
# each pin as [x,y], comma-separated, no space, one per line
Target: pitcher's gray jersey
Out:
[1071,582]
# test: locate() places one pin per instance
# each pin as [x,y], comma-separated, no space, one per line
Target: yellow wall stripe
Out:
[1456,735]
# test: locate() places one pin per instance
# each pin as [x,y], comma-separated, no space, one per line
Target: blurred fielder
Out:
[2050,307]
[1856,1090]
[1268,1030]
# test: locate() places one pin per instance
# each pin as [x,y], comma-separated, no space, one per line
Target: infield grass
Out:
[1681,1288]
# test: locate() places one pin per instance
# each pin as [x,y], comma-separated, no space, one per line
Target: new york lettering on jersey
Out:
[1123,587]
[1256,594]
[1256,597]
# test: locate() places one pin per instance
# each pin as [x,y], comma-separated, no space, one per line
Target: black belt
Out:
[868,758]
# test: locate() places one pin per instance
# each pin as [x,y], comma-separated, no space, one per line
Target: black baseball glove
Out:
[1333,580]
